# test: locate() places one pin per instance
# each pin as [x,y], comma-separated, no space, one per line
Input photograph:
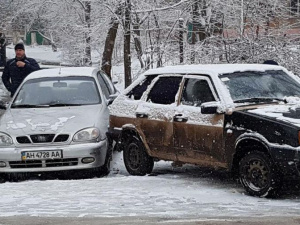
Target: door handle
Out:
[141,115]
[180,118]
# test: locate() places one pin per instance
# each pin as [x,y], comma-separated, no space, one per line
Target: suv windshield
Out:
[256,86]
[57,91]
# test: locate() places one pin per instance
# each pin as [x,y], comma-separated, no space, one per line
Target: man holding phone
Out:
[17,69]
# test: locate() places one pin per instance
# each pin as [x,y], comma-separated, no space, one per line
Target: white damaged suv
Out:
[242,118]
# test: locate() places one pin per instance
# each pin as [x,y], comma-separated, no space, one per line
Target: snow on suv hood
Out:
[49,120]
[289,113]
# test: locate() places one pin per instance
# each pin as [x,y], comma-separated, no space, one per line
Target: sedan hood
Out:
[49,120]
[289,113]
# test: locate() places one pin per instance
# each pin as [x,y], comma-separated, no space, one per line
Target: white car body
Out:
[43,134]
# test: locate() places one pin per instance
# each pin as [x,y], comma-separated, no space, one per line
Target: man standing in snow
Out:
[17,69]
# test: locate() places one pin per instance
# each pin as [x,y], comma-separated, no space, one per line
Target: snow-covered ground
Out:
[186,193]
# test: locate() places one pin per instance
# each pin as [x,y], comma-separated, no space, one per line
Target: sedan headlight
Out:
[87,134]
[5,139]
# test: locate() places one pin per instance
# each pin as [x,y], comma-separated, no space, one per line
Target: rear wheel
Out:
[258,175]
[136,159]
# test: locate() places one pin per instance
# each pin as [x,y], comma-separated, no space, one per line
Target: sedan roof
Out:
[64,71]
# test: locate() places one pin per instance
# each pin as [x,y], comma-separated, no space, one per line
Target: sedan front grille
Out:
[23,140]
[43,163]
[42,138]
[61,138]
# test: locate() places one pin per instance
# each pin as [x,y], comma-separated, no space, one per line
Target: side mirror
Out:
[211,108]
[3,105]
[112,98]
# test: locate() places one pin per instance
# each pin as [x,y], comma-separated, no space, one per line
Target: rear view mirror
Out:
[112,98]
[60,84]
[211,108]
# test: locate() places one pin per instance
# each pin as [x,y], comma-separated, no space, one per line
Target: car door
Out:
[155,116]
[198,137]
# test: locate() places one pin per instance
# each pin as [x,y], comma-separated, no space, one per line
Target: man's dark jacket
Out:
[13,75]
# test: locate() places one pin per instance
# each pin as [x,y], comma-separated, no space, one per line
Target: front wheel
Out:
[136,159]
[258,175]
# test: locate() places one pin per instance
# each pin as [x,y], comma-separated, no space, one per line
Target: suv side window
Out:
[103,85]
[195,92]
[139,90]
[165,90]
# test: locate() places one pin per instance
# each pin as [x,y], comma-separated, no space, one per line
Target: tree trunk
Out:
[127,57]
[181,40]
[137,40]
[87,60]
[195,15]
[159,53]
[109,47]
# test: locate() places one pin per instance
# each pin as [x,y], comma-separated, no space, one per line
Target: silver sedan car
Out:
[57,121]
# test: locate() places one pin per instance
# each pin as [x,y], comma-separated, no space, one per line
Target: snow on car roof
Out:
[212,69]
[64,71]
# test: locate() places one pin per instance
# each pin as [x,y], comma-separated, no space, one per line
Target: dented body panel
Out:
[184,132]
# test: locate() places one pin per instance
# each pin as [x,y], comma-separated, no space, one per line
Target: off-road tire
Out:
[258,175]
[136,159]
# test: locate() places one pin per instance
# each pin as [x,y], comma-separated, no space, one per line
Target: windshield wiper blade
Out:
[63,104]
[258,100]
[29,106]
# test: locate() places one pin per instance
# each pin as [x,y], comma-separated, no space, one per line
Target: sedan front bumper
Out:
[74,157]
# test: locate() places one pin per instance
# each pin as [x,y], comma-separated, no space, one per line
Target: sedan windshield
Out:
[254,86]
[57,92]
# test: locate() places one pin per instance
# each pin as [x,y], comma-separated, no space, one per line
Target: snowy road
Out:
[188,193]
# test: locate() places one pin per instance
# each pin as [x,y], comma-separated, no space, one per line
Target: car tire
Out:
[136,159]
[258,175]
[105,169]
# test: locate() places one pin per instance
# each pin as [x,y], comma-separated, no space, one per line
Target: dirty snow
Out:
[183,193]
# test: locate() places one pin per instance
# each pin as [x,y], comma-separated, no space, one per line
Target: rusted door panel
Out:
[157,128]
[199,139]
[118,122]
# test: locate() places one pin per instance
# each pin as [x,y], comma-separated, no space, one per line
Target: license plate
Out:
[41,155]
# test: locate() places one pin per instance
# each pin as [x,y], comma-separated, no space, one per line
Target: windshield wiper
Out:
[63,104]
[258,100]
[29,106]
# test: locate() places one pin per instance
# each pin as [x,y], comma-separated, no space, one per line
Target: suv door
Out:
[155,116]
[198,137]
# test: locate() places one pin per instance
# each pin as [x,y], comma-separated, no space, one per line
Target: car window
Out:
[196,91]
[58,91]
[255,84]
[137,92]
[164,90]
[103,85]
[108,82]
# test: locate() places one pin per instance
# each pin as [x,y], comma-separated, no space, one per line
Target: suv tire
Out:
[258,175]
[136,160]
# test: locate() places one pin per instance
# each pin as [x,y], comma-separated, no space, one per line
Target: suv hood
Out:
[289,113]
[49,120]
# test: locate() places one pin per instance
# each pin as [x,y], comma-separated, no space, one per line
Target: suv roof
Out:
[212,69]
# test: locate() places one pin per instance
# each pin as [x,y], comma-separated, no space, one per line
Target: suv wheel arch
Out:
[131,131]
[243,147]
